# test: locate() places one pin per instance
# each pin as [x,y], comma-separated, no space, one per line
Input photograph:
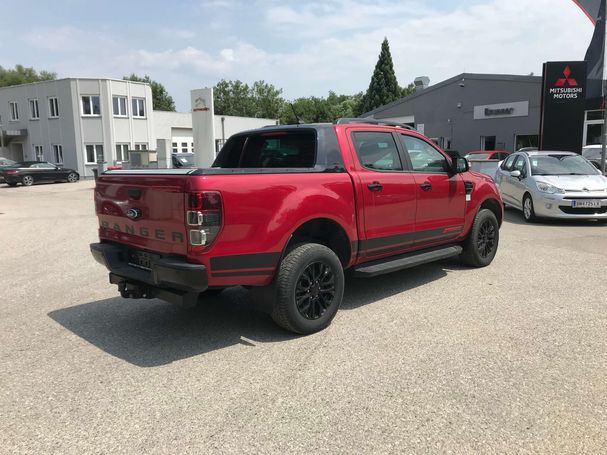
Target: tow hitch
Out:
[133,291]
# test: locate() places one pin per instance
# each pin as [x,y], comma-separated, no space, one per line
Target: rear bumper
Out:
[170,279]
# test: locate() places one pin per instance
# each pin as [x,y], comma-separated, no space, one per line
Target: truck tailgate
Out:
[145,211]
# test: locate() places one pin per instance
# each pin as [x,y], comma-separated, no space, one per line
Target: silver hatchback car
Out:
[552,184]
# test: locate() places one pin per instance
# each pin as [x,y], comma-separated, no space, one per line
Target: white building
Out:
[76,121]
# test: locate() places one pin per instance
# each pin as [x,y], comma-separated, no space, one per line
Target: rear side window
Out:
[284,149]
[377,151]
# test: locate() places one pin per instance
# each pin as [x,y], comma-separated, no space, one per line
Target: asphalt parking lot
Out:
[511,358]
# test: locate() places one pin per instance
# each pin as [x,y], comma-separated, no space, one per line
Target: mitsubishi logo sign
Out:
[563,105]
[566,80]
[566,87]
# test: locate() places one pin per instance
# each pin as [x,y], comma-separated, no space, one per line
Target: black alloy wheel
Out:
[486,239]
[315,290]
[480,247]
[308,289]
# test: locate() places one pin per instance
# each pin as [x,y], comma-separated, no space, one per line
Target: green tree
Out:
[161,100]
[239,99]
[233,98]
[318,110]
[268,99]
[23,75]
[384,87]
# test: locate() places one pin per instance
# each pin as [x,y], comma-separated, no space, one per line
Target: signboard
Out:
[203,126]
[563,104]
[501,110]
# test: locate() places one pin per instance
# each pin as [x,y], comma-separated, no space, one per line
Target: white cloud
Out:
[309,48]
[67,39]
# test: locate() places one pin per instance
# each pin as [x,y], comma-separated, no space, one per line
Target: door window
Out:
[424,157]
[377,151]
[521,165]
[507,166]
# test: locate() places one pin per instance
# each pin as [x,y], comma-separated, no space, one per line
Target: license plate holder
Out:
[141,259]
[586,204]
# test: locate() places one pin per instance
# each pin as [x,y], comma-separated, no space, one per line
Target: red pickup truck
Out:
[285,210]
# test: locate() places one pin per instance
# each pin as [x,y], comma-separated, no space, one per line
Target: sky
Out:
[304,47]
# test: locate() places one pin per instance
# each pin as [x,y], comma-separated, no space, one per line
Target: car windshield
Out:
[7,162]
[591,153]
[561,165]
[479,156]
[185,160]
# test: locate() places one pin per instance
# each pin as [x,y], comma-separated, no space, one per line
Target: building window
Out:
[175,149]
[93,151]
[34,111]
[141,146]
[91,105]
[488,143]
[119,105]
[14,110]
[122,152]
[139,107]
[184,147]
[58,152]
[39,152]
[53,108]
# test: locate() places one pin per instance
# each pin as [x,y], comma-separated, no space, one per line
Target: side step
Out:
[404,261]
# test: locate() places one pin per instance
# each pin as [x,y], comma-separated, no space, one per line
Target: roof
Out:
[454,79]
[549,152]
[74,79]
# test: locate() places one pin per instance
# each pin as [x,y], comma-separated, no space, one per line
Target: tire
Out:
[482,242]
[528,210]
[309,289]
[72,177]
[27,180]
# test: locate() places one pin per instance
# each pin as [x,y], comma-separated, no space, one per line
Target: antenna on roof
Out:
[299,121]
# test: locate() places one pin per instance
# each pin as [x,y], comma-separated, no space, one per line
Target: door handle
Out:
[426,186]
[375,186]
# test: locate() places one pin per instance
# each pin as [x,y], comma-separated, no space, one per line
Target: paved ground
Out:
[510,358]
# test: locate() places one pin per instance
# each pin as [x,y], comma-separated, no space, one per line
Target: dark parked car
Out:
[29,172]
[5,162]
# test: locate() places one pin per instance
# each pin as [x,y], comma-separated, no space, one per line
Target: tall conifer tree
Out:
[384,87]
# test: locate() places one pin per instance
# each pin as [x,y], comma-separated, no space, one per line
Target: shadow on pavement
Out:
[149,333]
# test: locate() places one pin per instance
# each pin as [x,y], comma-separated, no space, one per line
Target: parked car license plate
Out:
[586,204]
[142,259]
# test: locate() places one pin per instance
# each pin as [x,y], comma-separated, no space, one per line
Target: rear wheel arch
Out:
[323,231]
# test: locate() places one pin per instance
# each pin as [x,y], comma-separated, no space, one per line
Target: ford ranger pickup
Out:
[285,210]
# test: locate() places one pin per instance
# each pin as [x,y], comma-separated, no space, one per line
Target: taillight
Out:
[11,171]
[204,213]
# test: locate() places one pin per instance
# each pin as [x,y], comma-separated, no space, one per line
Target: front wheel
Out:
[309,289]
[528,210]
[481,245]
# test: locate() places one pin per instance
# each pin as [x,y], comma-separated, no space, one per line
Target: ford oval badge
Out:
[133,214]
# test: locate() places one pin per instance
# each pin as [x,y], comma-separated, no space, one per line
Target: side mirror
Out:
[517,174]
[460,165]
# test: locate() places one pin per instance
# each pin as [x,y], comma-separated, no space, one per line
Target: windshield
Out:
[478,156]
[6,162]
[591,153]
[561,165]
